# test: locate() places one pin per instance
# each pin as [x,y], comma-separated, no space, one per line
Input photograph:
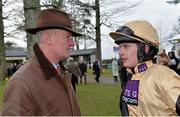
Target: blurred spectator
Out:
[115,69]
[10,70]
[162,58]
[178,67]
[83,67]
[13,68]
[173,61]
[72,67]
[120,69]
[96,69]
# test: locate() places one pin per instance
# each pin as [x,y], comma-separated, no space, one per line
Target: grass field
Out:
[99,99]
[2,84]
[106,72]
[94,99]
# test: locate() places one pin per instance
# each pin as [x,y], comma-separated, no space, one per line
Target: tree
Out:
[102,17]
[173,1]
[9,19]
[13,18]
[176,28]
[31,12]
[2,47]
[81,13]
[98,32]
[105,16]
[10,44]
[58,4]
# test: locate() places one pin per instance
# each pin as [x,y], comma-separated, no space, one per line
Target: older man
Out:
[40,87]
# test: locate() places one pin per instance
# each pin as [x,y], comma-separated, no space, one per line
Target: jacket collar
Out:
[46,66]
[141,67]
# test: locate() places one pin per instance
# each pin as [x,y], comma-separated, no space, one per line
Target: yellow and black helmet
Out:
[136,31]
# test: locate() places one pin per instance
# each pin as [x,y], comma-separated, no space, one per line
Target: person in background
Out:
[173,61]
[41,87]
[178,67]
[83,67]
[96,69]
[73,68]
[151,89]
[162,58]
[115,70]
[10,70]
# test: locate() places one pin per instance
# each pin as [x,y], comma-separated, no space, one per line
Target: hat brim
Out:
[123,38]
[35,30]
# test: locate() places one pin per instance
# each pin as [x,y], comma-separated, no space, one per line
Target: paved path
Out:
[102,79]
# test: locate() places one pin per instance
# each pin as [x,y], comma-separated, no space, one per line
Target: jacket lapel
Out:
[46,66]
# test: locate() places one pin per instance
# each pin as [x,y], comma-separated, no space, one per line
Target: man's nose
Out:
[121,52]
[71,43]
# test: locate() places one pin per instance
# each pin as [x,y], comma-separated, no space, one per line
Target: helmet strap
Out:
[141,52]
[142,55]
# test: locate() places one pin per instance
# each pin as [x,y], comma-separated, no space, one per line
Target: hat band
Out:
[125,39]
[54,25]
[126,30]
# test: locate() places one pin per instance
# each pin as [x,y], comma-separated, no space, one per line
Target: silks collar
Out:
[141,67]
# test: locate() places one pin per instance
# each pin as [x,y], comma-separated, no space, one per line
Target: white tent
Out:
[175,39]
[176,42]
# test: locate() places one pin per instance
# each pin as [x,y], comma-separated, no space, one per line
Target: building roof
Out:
[16,52]
[22,52]
[83,52]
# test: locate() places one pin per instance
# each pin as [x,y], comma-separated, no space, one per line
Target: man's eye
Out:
[69,37]
[126,46]
[123,46]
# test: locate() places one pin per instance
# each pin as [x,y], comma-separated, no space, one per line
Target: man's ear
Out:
[147,48]
[48,38]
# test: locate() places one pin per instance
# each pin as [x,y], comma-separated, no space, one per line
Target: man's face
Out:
[62,43]
[128,54]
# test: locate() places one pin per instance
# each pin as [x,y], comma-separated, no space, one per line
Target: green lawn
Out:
[99,99]
[106,72]
[2,84]
[94,99]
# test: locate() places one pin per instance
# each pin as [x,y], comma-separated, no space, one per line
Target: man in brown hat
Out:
[152,89]
[42,87]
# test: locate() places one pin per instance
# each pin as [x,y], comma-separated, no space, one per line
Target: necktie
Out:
[58,67]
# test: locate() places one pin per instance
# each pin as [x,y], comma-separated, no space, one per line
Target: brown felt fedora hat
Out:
[53,19]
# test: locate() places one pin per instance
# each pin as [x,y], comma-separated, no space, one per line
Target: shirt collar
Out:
[141,67]
[46,66]
[56,65]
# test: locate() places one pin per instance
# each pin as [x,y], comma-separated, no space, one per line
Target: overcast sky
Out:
[161,15]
